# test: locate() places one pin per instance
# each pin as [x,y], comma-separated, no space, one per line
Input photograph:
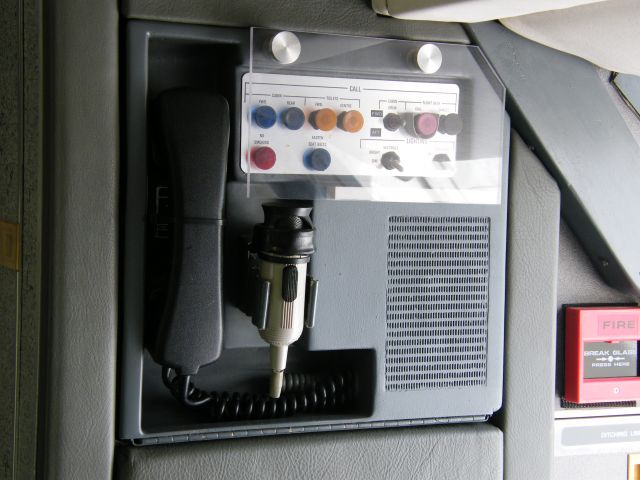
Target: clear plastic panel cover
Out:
[358,118]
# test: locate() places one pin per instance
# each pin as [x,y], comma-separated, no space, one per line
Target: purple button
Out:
[425,124]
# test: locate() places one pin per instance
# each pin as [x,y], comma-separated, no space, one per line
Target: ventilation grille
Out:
[627,403]
[437,302]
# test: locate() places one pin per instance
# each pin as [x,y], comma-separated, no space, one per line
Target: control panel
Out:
[301,125]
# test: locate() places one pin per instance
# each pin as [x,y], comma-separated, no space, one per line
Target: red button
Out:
[426,124]
[264,158]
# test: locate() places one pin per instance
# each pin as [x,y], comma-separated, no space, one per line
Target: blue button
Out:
[318,159]
[265,116]
[293,118]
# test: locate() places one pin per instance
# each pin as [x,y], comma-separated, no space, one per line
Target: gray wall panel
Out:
[438,453]
[578,280]
[82,161]
[591,467]
[534,215]
[561,107]
[355,17]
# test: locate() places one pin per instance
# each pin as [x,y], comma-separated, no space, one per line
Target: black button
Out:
[450,124]
[391,160]
[318,159]
[293,118]
[392,122]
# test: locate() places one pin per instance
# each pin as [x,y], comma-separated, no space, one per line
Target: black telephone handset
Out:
[190,133]
[190,139]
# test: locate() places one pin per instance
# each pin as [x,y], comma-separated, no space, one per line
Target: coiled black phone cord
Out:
[300,393]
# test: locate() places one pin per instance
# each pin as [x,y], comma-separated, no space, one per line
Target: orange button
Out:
[324,119]
[351,121]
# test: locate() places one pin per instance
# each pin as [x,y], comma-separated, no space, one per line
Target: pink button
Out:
[425,124]
[264,158]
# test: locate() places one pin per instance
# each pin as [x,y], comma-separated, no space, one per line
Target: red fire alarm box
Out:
[601,354]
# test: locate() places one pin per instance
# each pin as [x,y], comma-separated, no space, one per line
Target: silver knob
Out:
[285,47]
[429,58]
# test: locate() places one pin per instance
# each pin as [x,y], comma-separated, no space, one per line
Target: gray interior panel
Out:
[355,17]
[629,88]
[561,108]
[591,467]
[578,280]
[82,165]
[534,213]
[438,453]
[629,114]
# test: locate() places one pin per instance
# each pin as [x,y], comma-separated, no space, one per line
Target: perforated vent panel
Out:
[437,302]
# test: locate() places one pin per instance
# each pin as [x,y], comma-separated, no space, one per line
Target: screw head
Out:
[429,58]
[285,47]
